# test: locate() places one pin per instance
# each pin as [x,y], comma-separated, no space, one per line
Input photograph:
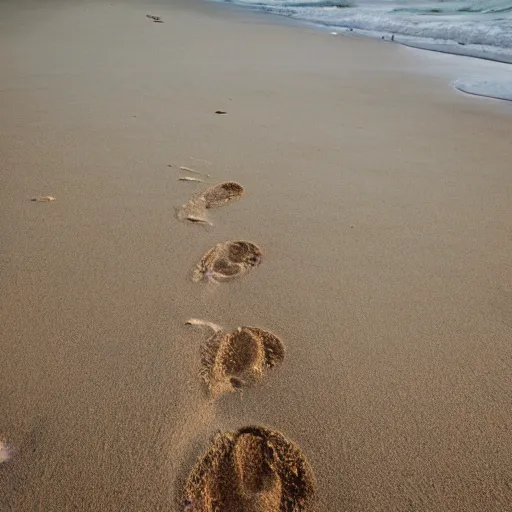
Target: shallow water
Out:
[481,28]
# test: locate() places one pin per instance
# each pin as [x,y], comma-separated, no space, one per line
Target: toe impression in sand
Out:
[227,260]
[212,197]
[233,360]
[254,469]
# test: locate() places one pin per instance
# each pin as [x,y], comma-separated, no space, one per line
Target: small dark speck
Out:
[220,112]
[236,383]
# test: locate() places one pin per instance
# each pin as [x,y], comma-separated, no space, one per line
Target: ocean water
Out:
[478,28]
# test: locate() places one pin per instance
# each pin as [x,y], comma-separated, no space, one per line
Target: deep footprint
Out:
[227,260]
[254,469]
[213,197]
[232,360]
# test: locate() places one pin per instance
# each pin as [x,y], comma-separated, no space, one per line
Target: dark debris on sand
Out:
[156,19]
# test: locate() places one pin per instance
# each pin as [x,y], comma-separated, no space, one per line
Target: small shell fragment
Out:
[204,323]
[189,178]
[199,220]
[4,452]
[188,169]
[43,199]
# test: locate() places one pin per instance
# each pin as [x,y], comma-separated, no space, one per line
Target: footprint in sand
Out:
[232,360]
[227,260]
[213,197]
[254,469]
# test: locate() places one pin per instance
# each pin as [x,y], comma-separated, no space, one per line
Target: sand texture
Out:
[381,199]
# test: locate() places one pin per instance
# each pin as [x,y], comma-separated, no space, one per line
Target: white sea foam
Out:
[493,88]
[474,28]
[481,28]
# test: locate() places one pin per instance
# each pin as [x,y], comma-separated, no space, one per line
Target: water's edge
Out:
[498,86]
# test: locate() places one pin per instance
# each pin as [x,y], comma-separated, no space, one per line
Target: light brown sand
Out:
[381,200]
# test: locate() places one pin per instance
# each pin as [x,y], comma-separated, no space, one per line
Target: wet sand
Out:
[380,198]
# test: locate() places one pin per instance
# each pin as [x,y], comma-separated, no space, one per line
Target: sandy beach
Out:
[381,199]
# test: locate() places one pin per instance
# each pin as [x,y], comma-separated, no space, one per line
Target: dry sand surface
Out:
[382,203]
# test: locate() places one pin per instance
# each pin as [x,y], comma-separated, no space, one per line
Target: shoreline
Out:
[451,47]
[501,79]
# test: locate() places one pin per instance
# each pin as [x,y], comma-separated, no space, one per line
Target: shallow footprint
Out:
[227,260]
[254,469]
[232,360]
[212,197]
[222,193]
